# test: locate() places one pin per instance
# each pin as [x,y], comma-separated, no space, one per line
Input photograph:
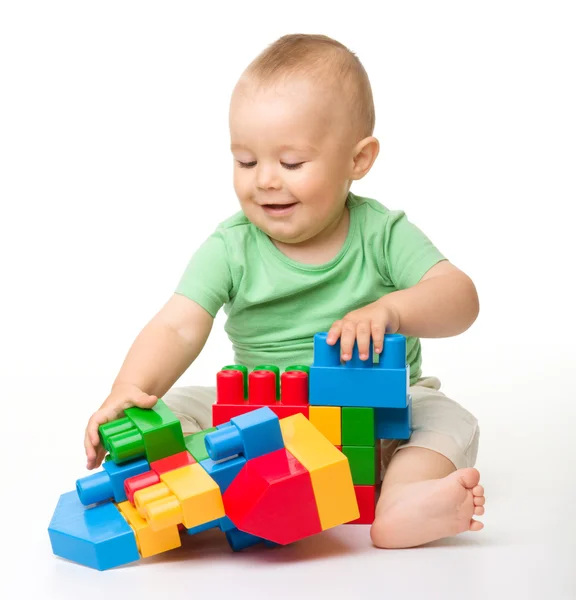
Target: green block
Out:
[358,426]
[363,464]
[122,440]
[196,446]
[161,430]
[298,368]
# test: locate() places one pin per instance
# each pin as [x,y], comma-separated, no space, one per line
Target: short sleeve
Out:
[408,252]
[207,278]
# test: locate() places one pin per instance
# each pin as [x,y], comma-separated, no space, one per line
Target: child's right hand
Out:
[121,398]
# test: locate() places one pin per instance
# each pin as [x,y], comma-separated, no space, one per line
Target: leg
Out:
[425,495]
[192,405]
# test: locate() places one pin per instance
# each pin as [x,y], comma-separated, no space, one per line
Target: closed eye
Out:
[249,165]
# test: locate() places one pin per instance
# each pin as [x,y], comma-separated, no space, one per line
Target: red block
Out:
[138,482]
[222,413]
[262,387]
[181,459]
[230,386]
[272,497]
[294,388]
[366,498]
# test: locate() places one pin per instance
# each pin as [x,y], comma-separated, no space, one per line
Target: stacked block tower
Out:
[289,455]
[354,405]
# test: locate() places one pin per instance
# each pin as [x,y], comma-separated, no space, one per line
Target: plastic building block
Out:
[272,369]
[122,439]
[360,383]
[223,413]
[226,524]
[262,498]
[139,482]
[328,467]
[363,463]
[160,429]
[328,421]
[366,498]
[394,423]
[196,446]
[253,434]
[149,542]
[198,494]
[204,527]
[244,371]
[108,484]
[358,426]
[180,459]
[240,540]
[223,472]
[96,536]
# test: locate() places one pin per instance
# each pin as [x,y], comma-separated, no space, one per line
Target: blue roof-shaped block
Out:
[362,383]
[96,536]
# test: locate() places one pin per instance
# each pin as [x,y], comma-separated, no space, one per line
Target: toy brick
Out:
[328,421]
[164,512]
[358,426]
[366,498]
[226,524]
[244,370]
[253,434]
[282,411]
[198,494]
[147,495]
[223,413]
[204,527]
[97,536]
[108,484]
[230,387]
[149,542]
[123,443]
[223,472]
[138,482]
[363,463]
[272,369]
[160,429]
[394,423]
[196,446]
[256,501]
[328,467]
[240,540]
[181,459]
[294,386]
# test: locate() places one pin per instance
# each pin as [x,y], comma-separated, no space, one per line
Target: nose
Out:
[267,176]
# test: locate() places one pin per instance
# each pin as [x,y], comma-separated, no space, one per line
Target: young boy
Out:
[306,255]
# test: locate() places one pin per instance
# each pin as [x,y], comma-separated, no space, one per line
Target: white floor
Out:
[526,550]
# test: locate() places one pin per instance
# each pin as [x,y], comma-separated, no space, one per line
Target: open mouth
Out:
[279,209]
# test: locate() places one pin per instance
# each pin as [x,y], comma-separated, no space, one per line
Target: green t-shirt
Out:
[275,305]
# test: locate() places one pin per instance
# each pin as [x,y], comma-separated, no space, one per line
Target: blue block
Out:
[360,383]
[251,435]
[97,536]
[204,527]
[239,540]
[222,425]
[394,423]
[223,473]
[226,524]
[108,484]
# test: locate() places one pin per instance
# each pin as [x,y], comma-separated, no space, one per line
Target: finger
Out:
[145,400]
[334,333]
[363,339]
[347,339]
[378,332]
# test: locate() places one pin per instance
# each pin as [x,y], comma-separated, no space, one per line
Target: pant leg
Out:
[192,405]
[441,424]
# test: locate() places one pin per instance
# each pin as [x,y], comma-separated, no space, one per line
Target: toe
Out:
[478,490]
[479,500]
[479,510]
[475,525]
[468,477]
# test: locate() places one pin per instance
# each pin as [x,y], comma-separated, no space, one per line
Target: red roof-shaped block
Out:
[272,497]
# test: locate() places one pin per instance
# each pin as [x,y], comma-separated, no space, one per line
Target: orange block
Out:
[199,495]
[148,541]
[329,470]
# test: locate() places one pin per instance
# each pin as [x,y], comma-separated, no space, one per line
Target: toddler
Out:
[304,255]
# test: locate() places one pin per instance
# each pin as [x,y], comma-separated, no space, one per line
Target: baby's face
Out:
[292,158]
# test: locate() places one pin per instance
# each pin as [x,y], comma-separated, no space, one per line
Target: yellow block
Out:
[149,542]
[198,494]
[328,467]
[149,494]
[164,512]
[328,421]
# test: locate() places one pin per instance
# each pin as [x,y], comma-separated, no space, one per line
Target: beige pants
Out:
[438,423]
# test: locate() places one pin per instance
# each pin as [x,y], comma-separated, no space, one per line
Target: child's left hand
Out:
[373,320]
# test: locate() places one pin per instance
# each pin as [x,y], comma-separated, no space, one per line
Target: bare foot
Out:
[412,514]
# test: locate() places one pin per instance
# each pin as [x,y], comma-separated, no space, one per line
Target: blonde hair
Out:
[323,60]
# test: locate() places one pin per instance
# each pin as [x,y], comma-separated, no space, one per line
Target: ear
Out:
[365,154]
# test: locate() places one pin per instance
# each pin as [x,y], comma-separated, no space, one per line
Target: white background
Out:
[115,165]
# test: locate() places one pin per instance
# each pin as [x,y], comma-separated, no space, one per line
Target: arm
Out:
[166,347]
[443,303]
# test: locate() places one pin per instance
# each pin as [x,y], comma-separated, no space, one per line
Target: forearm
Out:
[441,306]
[156,359]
